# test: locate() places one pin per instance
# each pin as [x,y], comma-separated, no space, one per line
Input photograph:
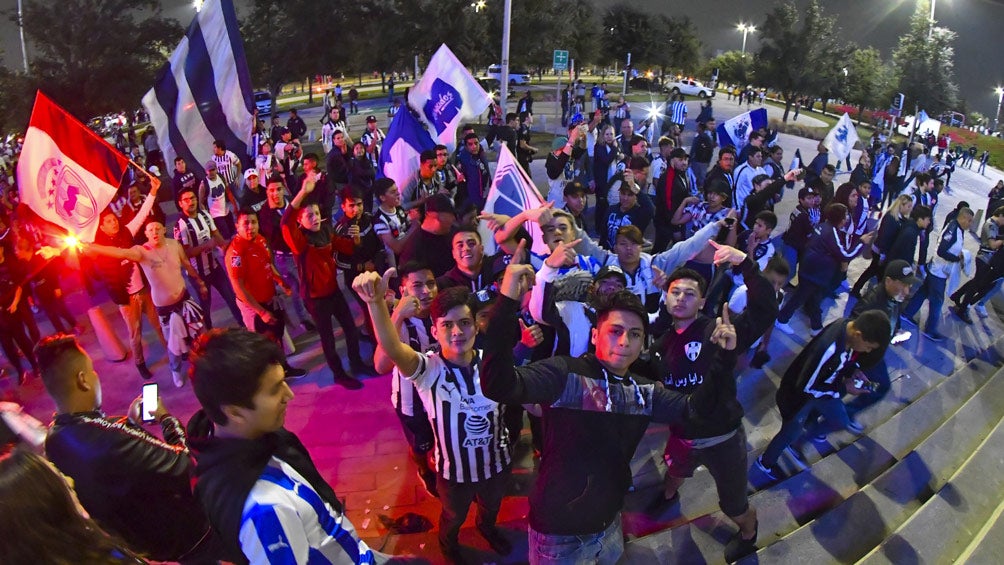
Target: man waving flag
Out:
[446,96]
[204,91]
[513,192]
[841,138]
[67,174]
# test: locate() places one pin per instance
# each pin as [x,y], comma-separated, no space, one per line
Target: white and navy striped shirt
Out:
[228,166]
[472,443]
[414,332]
[284,520]
[366,139]
[192,232]
[678,111]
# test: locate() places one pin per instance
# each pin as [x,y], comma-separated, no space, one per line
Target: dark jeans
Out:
[417,429]
[874,269]
[808,296]
[13,337]
[932,290]
[978,286]
[457,498]
[55,308]
[724,461]
[833,412]
[219,280]
[602,212]
[322,309]
[349,277]
[879,374]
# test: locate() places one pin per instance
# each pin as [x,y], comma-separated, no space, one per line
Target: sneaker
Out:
[855,428]
[934,336]
[770,471]
[293,373]
[429,480]
[361,368]
[737,547]
[962,312]
[496,540]
[907,320]
[819,438]
[348,381]
[784,327]
[179,379]
[760,358]
[797,458]
[452,553]
[144,371]
[981,310]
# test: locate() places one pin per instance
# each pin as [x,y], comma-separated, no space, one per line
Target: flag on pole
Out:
[796,162]
[512,192]
[736,131]
[204,91]
[447,95]
[841,138]
[67,174]
[406,139]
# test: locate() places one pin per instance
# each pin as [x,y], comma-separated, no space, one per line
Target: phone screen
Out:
[149,401]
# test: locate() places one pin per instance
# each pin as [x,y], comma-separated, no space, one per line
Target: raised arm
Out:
[372,287]
[144,210]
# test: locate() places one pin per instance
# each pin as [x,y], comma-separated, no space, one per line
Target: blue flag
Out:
[405,141]
[736,131]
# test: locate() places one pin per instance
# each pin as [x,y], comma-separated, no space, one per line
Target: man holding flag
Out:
[841,139]
[446,96]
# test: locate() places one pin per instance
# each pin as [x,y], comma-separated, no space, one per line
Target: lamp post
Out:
[746,29]
[999,91]
[930,28]
[20,26]
[506,26]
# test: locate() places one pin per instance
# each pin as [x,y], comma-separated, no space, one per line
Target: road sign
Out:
[560,60]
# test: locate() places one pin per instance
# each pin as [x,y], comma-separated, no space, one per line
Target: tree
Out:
[97,56]
[732,67]
[799,59]
[17,93]
[676,44]
[866,85]
[279,47]
[628,30]
[925,68]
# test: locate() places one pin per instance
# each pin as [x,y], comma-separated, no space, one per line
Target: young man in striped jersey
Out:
[472,444]
[256,480]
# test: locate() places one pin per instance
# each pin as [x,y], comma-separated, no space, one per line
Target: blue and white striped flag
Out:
[204,92]
[513,192]
[446,96]
[736,131]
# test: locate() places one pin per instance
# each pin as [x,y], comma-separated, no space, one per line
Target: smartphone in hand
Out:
[149,405]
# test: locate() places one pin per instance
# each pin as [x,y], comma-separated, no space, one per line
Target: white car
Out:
[516,76]
[690,87]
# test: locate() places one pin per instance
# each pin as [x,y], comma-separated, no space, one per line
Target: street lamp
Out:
[746,29]
[479,5]
[999,91]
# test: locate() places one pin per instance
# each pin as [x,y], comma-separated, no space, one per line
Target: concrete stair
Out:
[908,454]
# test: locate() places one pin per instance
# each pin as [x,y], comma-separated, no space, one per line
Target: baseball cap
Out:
[250,173]
[558,142]
[154,170]
[807,191]
[576,119]
[210,165]
[440,203]
[900,270]
[611,271]
[679,153]
[370,118]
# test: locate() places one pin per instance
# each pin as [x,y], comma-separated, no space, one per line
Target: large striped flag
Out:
[204,91]
[512,192]
[67,174]
[736,131]
[446,96]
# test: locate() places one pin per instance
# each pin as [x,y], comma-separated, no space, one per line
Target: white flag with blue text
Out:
[736,131]
[513,192]
[841,138]
[204,91]
[446,96]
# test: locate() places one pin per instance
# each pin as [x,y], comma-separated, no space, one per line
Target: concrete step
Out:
[851,529]
[988,545]
[942,529]
[784,507]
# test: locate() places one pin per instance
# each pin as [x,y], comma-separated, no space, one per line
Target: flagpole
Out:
[506,25]
[154,181]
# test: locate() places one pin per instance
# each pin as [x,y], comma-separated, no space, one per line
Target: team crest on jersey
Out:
[692,350]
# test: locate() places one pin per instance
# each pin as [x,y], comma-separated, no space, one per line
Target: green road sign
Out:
[560,60]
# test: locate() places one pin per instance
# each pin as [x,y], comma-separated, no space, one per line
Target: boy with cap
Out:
[575,202]
[670,192]
[218,199]
[801,226]
[628,211]
[253,196]
[372,139]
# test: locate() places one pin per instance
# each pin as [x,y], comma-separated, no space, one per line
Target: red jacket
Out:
[314,255]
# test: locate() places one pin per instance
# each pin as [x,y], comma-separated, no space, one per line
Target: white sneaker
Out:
[784,328]
[981,311]
[179,379]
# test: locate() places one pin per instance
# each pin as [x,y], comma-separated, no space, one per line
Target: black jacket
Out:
[593,421]
[227,469]
[132,483]
[904,246]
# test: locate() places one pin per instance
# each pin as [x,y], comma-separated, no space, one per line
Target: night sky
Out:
[878,23]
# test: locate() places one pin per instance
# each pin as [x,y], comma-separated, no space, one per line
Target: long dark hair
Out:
[40,522]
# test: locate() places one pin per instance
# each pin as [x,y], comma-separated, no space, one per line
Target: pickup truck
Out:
[689,87]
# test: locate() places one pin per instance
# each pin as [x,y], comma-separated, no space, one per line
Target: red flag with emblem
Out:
[67,174]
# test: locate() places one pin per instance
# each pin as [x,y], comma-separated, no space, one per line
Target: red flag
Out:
[67,174]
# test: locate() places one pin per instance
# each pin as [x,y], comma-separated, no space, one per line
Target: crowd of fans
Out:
[637,313]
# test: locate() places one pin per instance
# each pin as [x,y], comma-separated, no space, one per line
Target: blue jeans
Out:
[789,253]
[603,548]
[834,415]
[932,290]
[285,263]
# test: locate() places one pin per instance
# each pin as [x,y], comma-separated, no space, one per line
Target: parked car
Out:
[644,83]
[690,87]
[263,102]
[516,76]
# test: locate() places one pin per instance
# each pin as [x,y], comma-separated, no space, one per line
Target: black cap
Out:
[900,270]
[679,153]
[575,187]
[370,118]
[440,203]
[807,191]
[611,271]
